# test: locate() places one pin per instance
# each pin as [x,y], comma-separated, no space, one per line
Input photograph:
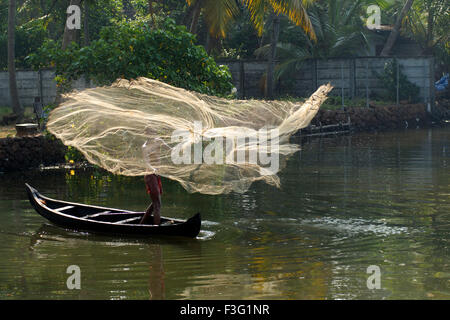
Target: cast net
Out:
[208,144]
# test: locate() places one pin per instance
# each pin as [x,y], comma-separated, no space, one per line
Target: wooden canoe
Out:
[108,220]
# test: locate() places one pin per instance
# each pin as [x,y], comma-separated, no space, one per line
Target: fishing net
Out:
[208,144]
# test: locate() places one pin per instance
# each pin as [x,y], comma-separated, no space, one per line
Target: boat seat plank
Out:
[64,208]
[127,220]
[104,213]
[96,214]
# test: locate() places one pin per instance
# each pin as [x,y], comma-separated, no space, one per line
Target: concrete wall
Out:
[350,77]
[30,85]
[355,77]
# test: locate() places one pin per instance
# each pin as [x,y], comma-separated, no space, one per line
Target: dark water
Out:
[345,204]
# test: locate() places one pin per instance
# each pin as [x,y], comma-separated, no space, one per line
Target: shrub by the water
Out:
[407,90]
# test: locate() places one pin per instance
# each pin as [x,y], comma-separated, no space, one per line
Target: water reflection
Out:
[345,203]
[156,283]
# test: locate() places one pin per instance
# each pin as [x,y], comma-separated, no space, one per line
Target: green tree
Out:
[295,10]
[133,49]
[339,30]
[219,13]
[428,23]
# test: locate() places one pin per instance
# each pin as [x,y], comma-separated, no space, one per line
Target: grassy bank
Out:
[10,130]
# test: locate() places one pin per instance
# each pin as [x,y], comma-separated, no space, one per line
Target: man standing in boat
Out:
[151,152]
[154,189]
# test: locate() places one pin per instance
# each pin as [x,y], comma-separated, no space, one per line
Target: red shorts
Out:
[159,185]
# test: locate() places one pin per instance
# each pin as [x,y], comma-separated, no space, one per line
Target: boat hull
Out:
[108,220]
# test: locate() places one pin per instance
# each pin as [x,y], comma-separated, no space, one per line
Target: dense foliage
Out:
[29,37]
[133,49]
[243,29]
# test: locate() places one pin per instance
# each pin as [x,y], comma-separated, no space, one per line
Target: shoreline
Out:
[21,153]
[378,118]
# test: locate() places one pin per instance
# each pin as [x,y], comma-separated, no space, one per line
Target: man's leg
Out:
[152,184]
[156,203]
[147,215]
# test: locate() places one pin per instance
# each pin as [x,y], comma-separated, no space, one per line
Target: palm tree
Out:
[296,12]
[424,21]
[339,30]
[17,108]
[395,32]
[219,13]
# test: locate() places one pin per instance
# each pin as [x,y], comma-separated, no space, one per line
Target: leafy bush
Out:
[29,37]
[407,90]
[132,49]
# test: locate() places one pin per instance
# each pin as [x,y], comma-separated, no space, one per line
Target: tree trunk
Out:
[211,43]
[430,29]
[86,23]
[196,16]
[86,36]
[15,103]
[188,16]
[70,35]
[270,85]
[395,32]
[150,7]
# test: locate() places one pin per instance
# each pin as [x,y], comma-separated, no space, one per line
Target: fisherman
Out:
[154,189]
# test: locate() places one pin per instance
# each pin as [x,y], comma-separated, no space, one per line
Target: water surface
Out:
[345,204]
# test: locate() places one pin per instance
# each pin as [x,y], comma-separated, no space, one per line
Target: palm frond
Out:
[296,11]
[258,10]
[218,14]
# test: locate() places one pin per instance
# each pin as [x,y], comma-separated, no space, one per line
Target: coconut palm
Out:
[396,30]
[339,30]
[424,22]
[295,10]
[219,13]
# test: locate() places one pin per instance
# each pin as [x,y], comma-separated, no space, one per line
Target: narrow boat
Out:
[108,220]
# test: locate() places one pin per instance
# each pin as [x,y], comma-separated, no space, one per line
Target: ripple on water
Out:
[355,226]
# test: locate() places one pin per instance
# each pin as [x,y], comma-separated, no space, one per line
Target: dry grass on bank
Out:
[10,130]
[7,131]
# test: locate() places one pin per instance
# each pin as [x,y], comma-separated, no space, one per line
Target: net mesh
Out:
[208,144]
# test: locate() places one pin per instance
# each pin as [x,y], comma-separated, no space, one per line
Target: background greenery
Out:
[124,35]
[133,49]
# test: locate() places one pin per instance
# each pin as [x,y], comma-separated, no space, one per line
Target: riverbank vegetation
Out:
[179,42]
